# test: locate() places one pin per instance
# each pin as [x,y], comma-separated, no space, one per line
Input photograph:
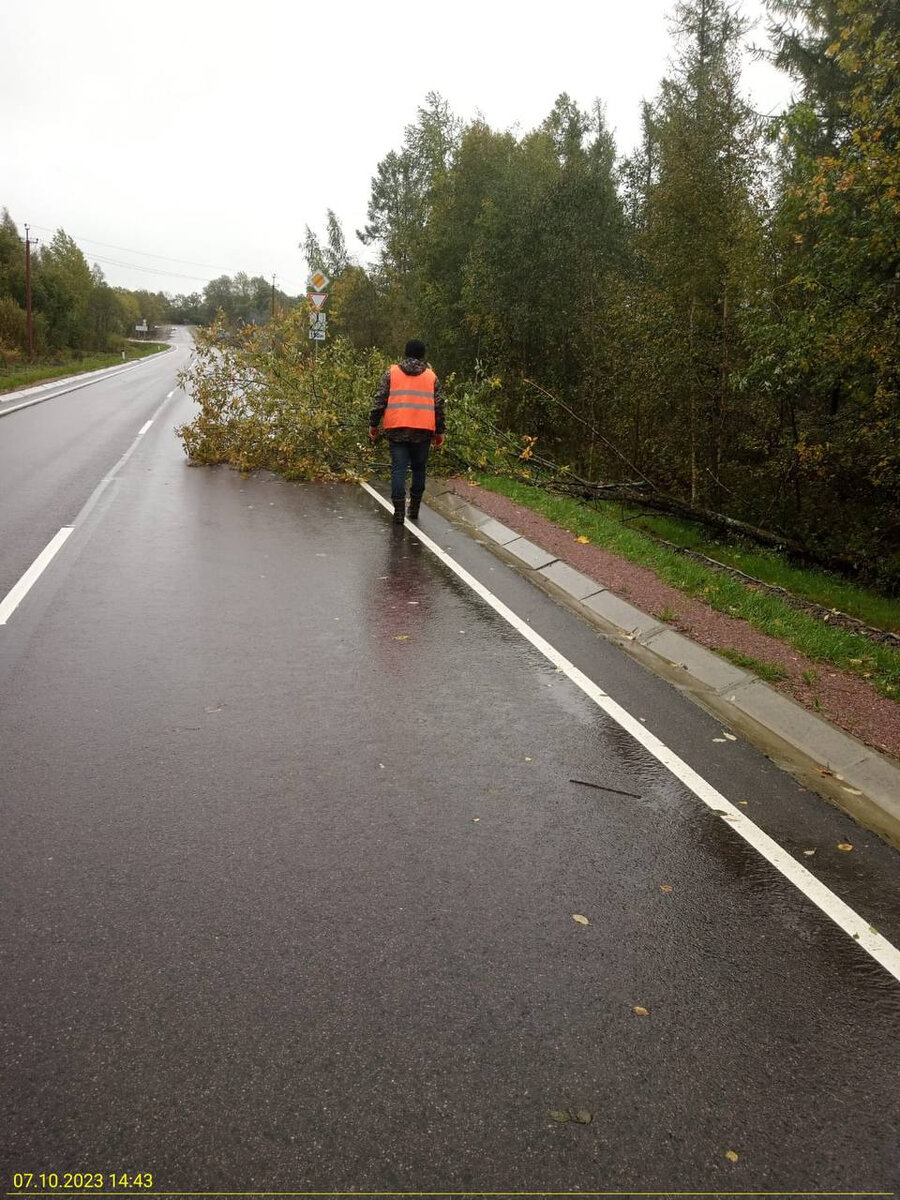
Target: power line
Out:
[113,262]
[187,262]
[146,270]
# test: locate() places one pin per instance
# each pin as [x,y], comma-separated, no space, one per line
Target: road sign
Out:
[317,299]
[318,281]
[318,320]
[317,335]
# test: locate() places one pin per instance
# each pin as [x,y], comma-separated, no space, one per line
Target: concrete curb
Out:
[849,774]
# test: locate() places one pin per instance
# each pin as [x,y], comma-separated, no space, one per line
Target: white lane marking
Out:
[143,429]
[20,590]
[851,922]
[170,394]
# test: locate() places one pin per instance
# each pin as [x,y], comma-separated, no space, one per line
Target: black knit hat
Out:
[414,349]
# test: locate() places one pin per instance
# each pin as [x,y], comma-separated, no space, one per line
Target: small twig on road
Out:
[601,788]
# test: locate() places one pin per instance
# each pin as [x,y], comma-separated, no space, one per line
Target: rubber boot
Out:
[399,511]
[414,502]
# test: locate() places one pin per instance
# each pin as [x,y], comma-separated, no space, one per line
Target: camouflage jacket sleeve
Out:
[381,399]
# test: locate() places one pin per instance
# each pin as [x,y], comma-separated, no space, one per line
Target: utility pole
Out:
[29,323]
[273,297]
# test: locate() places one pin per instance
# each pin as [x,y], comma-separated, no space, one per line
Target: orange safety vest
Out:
[410,401]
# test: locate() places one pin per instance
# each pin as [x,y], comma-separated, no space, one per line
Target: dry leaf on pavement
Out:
[580,919]
[845,846]
[640,1011]
[731,1156]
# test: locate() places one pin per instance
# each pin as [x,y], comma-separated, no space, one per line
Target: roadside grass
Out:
[879,665]
[13,378]
[772,672]
[767,565]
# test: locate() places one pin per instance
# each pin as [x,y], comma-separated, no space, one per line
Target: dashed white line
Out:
[20,590]
[842,914]
[143,429]
[169,395]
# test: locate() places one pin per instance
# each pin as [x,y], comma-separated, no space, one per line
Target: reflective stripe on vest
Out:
[410,407]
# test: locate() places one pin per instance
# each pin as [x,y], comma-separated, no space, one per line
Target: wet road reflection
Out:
[324,935]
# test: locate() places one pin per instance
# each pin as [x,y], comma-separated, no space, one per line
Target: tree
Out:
[331,257]
[829,346]
[698,234]
[186,309]
[459,197]
[62,290]
[404,183]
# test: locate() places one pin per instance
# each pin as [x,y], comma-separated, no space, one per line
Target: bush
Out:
[12,329]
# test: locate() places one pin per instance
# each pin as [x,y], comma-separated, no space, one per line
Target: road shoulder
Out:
[855,777]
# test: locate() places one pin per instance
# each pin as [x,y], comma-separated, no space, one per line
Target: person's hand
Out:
[438,441]
[373,434]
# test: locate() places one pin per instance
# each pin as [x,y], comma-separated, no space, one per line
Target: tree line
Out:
[243,299]
[75,310]
[714,316]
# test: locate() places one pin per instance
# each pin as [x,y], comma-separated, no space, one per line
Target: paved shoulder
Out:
[857,778]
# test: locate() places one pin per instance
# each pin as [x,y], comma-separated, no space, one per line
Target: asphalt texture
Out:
[53,454]
[292,860]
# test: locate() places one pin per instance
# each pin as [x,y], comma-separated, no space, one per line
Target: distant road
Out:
[53,454]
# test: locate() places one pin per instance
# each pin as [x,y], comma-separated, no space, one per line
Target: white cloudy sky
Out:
[210,132]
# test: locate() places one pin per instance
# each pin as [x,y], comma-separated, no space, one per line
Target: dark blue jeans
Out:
[403,456]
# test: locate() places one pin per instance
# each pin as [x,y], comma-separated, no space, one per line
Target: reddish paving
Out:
[841,697]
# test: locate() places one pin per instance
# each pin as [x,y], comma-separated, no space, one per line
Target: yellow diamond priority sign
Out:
[318,281]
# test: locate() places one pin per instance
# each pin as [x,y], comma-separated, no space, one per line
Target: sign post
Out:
[318,319]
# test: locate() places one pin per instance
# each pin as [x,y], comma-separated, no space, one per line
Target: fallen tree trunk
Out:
[663,502]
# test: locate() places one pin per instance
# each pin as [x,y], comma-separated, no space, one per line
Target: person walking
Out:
[410,405]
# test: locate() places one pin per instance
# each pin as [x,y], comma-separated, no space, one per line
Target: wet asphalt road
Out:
[292,859]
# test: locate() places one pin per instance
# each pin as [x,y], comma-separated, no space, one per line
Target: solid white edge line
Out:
[143,429]
[20,590]
[106,372]
[883,951]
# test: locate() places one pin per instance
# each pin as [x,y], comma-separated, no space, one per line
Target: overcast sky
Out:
[212,132]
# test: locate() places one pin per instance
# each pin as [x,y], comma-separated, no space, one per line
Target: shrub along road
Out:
[298,860]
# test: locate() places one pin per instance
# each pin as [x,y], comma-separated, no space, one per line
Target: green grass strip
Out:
[772,672]
[13,378]
[879,665]
[769,566]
